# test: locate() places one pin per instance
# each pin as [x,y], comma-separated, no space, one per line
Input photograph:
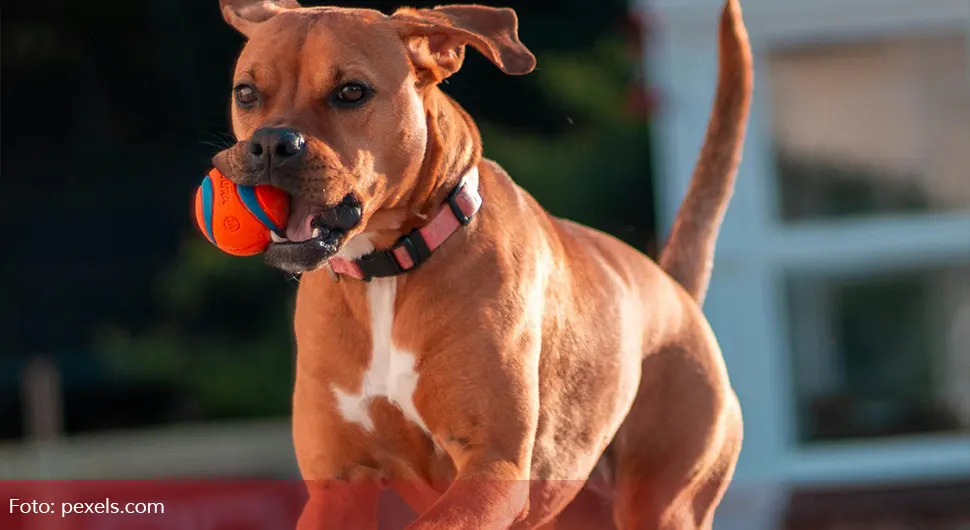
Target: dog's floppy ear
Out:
[245,15]
[436,38]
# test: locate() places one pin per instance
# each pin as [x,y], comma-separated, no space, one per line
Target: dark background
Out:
[110,113]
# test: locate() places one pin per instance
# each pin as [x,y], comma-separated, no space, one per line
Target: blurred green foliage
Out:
[597,171]
[197,344]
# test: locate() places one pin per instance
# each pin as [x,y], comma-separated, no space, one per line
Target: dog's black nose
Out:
[274,146]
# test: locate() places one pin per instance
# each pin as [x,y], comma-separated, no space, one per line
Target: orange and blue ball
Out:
[238,219]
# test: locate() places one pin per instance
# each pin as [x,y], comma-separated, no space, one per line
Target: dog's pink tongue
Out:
[298,226]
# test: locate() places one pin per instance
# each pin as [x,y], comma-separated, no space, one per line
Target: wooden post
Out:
[42,400]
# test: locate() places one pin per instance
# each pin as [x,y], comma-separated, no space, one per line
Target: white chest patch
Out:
[390,373]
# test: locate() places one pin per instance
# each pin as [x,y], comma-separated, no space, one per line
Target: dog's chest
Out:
[390,373]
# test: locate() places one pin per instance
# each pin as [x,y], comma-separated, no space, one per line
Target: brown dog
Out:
[485,384]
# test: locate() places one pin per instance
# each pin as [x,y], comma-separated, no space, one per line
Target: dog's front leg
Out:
[341,505]
[343,483]
[486,495]
[482,409]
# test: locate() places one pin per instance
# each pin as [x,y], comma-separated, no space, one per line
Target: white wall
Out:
[745,304]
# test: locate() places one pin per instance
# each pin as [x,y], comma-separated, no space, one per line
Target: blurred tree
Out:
[597,171]
[221,338]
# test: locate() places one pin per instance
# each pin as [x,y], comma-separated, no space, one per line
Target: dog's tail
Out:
[688,256]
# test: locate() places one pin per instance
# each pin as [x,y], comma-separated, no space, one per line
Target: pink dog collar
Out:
[416,247]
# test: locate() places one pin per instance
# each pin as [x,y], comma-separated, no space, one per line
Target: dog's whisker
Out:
[215,145]
[219,139]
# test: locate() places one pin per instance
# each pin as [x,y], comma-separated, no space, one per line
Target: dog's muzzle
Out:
[313,234]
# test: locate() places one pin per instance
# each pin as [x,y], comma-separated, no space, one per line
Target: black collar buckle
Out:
[413,242]
[384,263]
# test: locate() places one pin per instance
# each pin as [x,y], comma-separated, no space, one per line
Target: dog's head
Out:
[328,104]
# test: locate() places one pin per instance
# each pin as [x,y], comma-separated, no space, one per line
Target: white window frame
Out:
[746,304]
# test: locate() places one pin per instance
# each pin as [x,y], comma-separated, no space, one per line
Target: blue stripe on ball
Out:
[207,194]
[248,196]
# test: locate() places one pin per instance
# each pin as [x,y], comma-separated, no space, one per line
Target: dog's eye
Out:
[245,95]
[351,94]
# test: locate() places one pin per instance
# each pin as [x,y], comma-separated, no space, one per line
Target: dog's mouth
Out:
[313,234]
